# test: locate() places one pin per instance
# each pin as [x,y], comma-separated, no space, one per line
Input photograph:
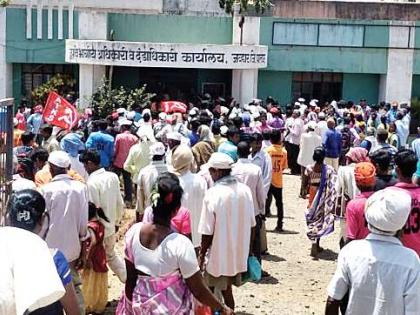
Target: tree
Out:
[258,5]
[61,83]
[106,99]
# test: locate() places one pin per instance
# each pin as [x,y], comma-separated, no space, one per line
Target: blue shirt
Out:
[230,149]
[104,144]
[332,143]
[34,123]
[194,138]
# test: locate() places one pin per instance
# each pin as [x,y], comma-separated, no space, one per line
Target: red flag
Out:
[173,107]
[59,112]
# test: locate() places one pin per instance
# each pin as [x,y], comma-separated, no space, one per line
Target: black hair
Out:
[27,137]
[275,136]
[215,129]
[382,136]
[102,124]
[97,212]
[266,134]
[319,155]
[406,161]
[27,168]
[165,205]
[146,117]
[256,136]
[47,128]
[39,154]
[243,149]
[347,120]
[232,131]
[90,155]
[237,122]
[382,158]
[25,209]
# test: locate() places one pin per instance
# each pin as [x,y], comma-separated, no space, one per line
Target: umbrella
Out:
[173,107]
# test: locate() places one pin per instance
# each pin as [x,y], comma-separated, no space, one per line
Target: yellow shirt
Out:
[278,156]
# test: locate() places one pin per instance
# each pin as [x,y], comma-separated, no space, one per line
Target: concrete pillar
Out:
[245,82]
[92,25]
[6,69]
[396,84]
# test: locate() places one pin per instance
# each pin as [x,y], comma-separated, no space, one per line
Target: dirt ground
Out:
[298,283]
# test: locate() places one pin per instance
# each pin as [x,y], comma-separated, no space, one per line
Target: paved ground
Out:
[298,283]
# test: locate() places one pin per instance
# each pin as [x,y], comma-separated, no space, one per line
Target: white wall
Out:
[6,74]
[396,85]
[245,82]
[92,25]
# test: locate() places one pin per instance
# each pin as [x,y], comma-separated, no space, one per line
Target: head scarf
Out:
[182,159]
[72,144]
[204,133]
[358,155]
[364,173]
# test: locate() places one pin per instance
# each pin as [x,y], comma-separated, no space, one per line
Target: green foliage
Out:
[259,5]
[106,99]
[4,3]
[62,84]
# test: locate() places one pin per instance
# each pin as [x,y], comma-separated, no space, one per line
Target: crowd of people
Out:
[202,183]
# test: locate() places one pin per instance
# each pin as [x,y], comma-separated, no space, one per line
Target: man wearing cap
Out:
[123,143]
[148,176]
[406,165]
[308,142]
[332,144]
[102,142]
[104,192]
[380,275]
[227,225]
[356,228]
[322,126]
[67,205]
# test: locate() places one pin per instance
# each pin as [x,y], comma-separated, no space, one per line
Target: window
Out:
[323,86]
[341,35]
[214,89]
[295,34]
[33,75]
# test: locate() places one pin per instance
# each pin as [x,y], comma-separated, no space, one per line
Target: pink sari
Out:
[155,295]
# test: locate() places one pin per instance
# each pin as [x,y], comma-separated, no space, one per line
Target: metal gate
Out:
[6,153]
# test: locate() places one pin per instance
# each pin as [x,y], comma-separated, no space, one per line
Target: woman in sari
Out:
[322,194]
[162,268]
[205,147]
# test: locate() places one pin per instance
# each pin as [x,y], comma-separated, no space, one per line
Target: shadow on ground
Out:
[273,258]
[327,254]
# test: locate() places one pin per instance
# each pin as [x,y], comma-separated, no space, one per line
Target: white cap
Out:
[157,148]
[126,122]
[59,158]
[146,111]
[321,115]
[162,115]
[301,99]
[224,129]
[224,110]
[297,103]
[220,161]
[313,103]
[387,210]
[311,125]
[121,110]
[193,112]
[131,115]
[174,136]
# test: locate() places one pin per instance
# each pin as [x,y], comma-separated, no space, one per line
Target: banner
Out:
[59,112]
[166,55]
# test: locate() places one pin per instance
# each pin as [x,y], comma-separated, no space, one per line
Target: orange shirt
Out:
[278,156]
[17,141]
[43,176]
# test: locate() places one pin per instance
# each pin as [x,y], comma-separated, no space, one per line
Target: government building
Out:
[311,49]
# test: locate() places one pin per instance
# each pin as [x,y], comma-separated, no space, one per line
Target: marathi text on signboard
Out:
[136,54]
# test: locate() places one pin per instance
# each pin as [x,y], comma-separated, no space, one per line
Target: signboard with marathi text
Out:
[163,55]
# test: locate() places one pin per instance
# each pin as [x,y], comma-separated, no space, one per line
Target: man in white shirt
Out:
[261,159]
[104,192]
[29,278]
[194,187]
[67,205]
[227,226]
[322,126]
[308,142]
[379,274]
[295,132]
[249,174]
[148,176]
